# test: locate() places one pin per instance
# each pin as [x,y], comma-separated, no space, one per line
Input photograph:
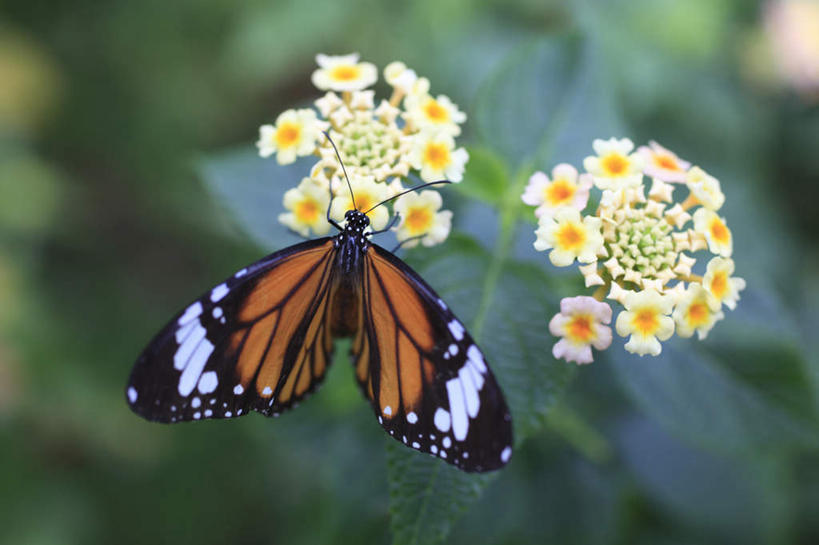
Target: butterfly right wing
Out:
[259,341]
[427,380]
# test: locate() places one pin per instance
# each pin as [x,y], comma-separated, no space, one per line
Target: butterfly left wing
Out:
[260,341]
[427,380]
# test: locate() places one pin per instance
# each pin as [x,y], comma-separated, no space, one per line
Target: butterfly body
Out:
[263,339]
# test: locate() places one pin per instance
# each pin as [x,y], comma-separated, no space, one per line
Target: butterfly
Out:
[262,340]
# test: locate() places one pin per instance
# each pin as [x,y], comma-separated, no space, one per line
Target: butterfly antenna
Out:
[410,190]
[344,170]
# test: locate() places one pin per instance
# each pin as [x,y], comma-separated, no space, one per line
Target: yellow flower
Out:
[705,188]
[294,134]
[434,154]
[696,311]
[716,232]
[343,73]
[439,114]
[564,189]
[580,324]
[662,164]
[421,216]
[719,283]
[569,236]
[614,167]
[647,320]
[368,193]
[307,208]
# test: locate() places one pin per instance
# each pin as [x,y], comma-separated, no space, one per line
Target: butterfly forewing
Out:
[258,341]
[428,381]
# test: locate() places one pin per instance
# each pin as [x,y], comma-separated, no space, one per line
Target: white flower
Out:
[343,73]
[716,232]
[646,320]
[399,76]
[564,189]
[614,167]
[421,216]
[437,114]
[580,324]
[368,193]
[307,208]
[295,134]
[434,154]
[719,283]
[569,236]
[696,311]
[705,188]
[662,164]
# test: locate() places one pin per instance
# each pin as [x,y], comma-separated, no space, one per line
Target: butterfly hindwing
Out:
[258,341]
[427,380]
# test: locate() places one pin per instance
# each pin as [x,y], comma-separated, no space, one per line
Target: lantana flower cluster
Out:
[639,250]
[382,143]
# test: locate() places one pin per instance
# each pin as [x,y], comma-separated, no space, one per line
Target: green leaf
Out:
[698,398]
[250,189]
[485,178]
[547,103]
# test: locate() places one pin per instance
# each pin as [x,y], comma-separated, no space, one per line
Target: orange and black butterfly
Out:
[262,341]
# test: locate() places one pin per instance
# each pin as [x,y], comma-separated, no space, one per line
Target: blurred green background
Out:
[113,115]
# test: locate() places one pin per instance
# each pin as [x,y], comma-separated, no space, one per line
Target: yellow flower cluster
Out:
[637,249]
[381,145]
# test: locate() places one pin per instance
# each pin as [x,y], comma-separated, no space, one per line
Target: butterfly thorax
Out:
[352,242]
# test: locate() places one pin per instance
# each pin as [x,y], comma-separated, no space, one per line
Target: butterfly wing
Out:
[427,380]
[260,341]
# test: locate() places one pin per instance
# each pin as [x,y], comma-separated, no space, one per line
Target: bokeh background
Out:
[115,119]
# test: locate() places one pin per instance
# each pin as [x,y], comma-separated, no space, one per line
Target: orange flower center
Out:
[697,314]
[435,111]
[667,162]
[719,285]
[345,72]
[720,232]
[580,329]
[419,220]
[614,164]
[437,156]
[307,211]
[287,135]
[645,321]
[571,237]
[560,192]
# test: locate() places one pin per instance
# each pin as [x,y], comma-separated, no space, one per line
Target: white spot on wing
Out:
[182,333]
[412,418]
[241,273]
[132,394]
[416,444]
[477,377]
[476,358]
[447,442]
[208,382]
[219,292]
[217,312]
[267,391]
[506,454]
[228,414]
[433,449]
[190,313]
[441,304]
[208,413]
[456,329]
[196,402]
[197,415]
[190,376]
[442,420]
[186,349]
[473,402]
[238,389]
[388,410]
[453,349]
[460,422]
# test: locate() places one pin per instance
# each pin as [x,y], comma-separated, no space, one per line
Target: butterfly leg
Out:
[398,246]
[395,219]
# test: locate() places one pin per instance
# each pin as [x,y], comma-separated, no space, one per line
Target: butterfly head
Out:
[357,221]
